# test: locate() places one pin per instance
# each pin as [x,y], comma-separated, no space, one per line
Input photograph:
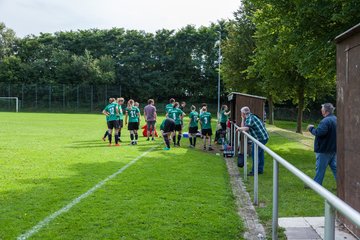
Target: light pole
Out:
[219,62]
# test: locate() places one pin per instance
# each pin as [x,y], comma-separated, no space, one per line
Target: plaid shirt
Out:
[256,127]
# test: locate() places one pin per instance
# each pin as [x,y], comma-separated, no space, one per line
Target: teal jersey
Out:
[223,117]
[205,119]
[133,114]
[175,114]
[194,119]
[168,107]
[121,113]
[111,109]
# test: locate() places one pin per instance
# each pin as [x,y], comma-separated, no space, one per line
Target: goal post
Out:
[16,101]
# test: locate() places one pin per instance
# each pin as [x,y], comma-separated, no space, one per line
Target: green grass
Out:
[294,200]
[47,160]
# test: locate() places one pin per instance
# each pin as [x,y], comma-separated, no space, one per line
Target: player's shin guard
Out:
[109,137]
[116,138]
[194,141]
[191,140]
[179,138]
[136,136]
[106,134]
[132,136]
[174,138]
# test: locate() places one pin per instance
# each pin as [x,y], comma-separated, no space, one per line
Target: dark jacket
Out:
[325,135]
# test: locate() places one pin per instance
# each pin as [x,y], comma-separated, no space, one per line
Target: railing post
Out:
[329,222]
[245,157]
[275,211]
[234,140]
[256,150]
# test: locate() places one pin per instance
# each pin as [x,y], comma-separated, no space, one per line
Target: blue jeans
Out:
[322,161]
[261,158]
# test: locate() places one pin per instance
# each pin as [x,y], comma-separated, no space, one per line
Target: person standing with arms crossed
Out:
[150,119]
[325,142]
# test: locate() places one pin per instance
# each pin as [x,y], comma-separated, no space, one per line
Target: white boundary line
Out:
[75,201]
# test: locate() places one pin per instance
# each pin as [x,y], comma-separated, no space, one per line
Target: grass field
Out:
[48,160]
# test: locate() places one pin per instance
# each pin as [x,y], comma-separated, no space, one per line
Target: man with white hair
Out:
[252,123]
[325,142]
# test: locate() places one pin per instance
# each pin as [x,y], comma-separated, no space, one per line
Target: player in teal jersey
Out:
[132,115]
[169,106]
[206,131]
[111,111]
[120,102]
[177,115]
[193,125]
[137,105]
[107,130]
[224,116]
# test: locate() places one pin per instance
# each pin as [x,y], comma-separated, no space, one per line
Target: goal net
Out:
[9,103]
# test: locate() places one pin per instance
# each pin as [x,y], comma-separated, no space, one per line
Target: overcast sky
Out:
[35,16]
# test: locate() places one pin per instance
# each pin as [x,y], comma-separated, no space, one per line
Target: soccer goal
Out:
[11,99]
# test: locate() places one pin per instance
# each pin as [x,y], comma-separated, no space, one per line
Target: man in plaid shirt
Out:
[250,122]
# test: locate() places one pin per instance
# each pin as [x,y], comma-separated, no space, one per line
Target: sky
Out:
[34,16]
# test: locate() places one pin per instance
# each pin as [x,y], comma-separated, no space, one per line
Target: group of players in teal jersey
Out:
[114,113]
[171,127]
[174,123]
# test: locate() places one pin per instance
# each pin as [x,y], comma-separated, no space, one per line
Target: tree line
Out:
[284,50]
[167,63]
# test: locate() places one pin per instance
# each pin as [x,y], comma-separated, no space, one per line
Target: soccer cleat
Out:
[148,139]
[117,145]
[153,139]
[104,139]
[166,148]
[204,148]
[210,148]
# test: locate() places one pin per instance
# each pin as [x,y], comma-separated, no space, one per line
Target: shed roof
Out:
[244,94]
[355,29]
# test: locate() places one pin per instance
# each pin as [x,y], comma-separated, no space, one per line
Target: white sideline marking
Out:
[51,217]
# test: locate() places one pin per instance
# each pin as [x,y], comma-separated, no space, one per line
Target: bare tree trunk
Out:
[301,106]
[271,110]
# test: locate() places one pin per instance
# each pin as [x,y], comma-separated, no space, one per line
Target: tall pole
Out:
[219,61]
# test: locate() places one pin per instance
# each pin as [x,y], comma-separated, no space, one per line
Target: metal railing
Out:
[332,202]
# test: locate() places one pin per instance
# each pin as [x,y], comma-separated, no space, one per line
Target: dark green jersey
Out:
[168,107]
[205,119]
[175,114]
[223,117]
[133,114]
[194,119]
[111,109]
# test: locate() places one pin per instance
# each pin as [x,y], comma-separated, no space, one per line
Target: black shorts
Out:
[113,124]
[223,126]
[150,125]
[193,130]
[178,127]
[133,126]
[169,127]
[206,132]
[121,123]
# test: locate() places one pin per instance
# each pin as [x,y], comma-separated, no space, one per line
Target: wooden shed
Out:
[239,100]
[348,123]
